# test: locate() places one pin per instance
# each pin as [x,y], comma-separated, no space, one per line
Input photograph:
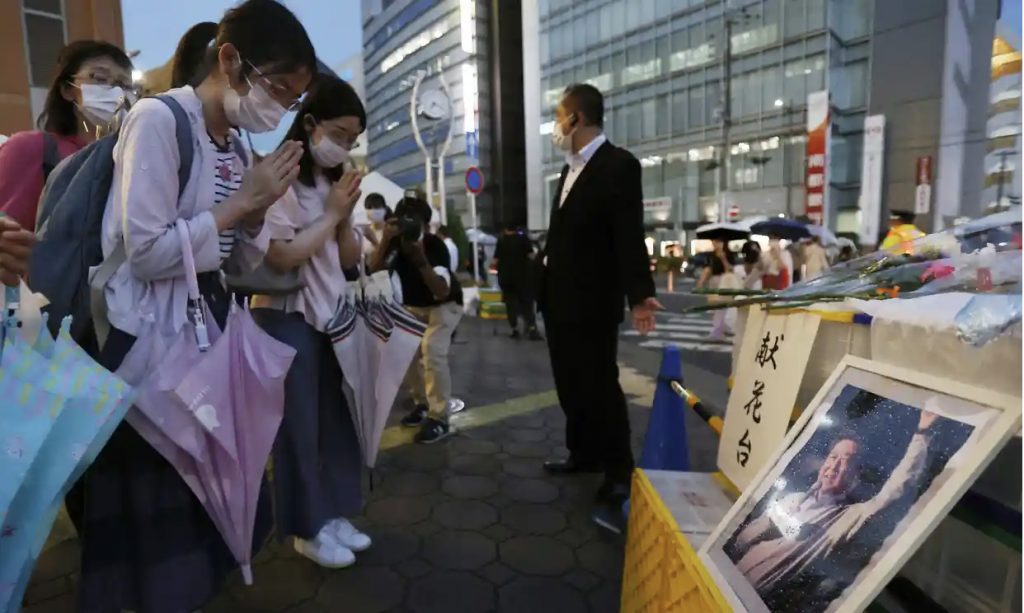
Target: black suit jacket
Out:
[597,261]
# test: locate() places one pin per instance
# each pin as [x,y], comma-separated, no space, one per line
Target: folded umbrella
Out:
[379,327]
[403,342]
[346,330]
[236,393]
[96,401]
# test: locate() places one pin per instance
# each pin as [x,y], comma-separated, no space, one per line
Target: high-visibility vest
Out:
[900,237]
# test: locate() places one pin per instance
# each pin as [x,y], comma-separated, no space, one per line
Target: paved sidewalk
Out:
[468,525]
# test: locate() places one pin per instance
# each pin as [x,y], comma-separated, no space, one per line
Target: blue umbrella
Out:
[783,228]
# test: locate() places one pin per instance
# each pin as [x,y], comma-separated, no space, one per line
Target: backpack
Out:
[69,227]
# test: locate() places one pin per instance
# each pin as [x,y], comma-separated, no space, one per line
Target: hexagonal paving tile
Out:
[427,528]
[450,592]
[277,585]
[528,450]
[498,533]
[415,567]
[497,573]
[530,420]
[532,594]
[398,511]
[607,598]
[533,519]
[530,490]
[409,484]
[582,580]
[475,465]
[465,514]
[469,486]
[475,446]
[524,467]
[390,546]
[537,555]
[601,558]
[457,550]
[373,589]
[482,433]
[526,435]
[422,458]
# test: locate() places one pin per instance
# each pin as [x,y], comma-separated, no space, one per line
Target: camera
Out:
[409,229]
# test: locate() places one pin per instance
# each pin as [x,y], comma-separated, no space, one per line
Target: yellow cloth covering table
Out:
[662,572]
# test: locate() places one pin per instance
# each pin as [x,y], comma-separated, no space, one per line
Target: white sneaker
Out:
[346,534]
[325,550]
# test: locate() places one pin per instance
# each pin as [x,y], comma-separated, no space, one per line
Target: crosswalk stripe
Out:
[697,338]
[661,344]
[685,327]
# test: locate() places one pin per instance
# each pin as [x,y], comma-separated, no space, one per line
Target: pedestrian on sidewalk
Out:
[718,274]
[419,262]
[93,81]
[594,261]
[513,257]
[317,459]
[378,211]
[148,544]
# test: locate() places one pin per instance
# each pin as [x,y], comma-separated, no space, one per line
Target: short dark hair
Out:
[329,98]
[587,100]
[375,201]
[442,230]
[58,116]
[414,207]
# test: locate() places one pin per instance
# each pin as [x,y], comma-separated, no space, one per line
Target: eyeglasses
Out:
[279,92]
[102,77]
[342,136]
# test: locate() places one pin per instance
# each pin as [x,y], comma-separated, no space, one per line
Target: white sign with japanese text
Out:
[772,361]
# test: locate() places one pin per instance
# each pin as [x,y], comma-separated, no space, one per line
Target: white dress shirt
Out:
[577,162]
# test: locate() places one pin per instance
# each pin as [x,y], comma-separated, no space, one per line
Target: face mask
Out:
[256,111]
[561,139]
[328,154]
[100,102]
[376,215]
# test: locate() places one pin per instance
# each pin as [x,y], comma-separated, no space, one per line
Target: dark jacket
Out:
[597,262]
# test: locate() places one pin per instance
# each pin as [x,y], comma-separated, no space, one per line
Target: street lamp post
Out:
[731,18]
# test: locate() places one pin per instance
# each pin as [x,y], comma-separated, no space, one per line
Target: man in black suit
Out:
[594,263]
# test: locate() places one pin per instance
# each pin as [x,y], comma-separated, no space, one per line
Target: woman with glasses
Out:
[317,461]
[93,82]
[148,544]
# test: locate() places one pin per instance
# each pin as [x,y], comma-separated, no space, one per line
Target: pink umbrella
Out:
[236,393]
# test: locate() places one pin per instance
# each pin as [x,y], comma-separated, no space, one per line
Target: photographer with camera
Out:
[430,290]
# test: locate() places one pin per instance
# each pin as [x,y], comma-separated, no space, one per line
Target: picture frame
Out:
[794,539]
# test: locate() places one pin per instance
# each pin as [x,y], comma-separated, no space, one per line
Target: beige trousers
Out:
[429,379]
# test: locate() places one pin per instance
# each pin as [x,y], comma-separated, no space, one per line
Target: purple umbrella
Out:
[236,393]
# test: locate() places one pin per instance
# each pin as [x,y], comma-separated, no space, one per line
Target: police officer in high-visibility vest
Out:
[902,232]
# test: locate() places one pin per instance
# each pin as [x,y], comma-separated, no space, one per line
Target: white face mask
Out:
[561,139]
[328,154]
[376,215]
[101,102]
[256,111]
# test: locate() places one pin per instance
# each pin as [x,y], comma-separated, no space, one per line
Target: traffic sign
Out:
[472,145]
[474,180]
[734,212]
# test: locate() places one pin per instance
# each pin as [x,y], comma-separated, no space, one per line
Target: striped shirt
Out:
[228,170]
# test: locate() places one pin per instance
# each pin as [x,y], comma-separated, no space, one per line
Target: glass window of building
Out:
[678,103]
[815,15]
[696,104]
[649,112]
[712,103]
[605,22]
[618,18]
[771,88]
[794,17]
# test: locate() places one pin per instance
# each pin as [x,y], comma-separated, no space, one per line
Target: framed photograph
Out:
[864,476]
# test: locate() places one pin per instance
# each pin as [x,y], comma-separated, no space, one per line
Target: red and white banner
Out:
[818,131]
[923,193]
[871,179]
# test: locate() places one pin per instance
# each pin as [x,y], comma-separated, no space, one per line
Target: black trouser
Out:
[519,304]
[583,361]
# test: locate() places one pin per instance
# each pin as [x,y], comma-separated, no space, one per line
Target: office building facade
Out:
[32,33]
[459,40]
[660,65]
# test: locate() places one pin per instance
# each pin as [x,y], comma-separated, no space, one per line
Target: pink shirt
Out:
[324,278]
[21,173]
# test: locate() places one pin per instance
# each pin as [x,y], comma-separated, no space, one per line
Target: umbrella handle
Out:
[247,574]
